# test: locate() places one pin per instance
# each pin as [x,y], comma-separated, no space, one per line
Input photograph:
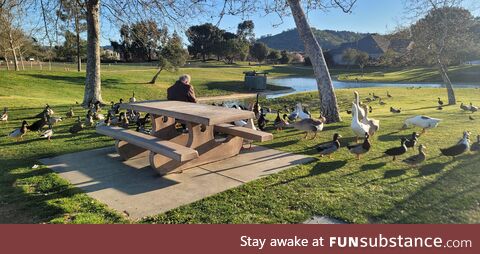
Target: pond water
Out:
[304,84]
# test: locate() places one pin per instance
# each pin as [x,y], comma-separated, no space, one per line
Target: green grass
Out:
[461,74]
[372,190]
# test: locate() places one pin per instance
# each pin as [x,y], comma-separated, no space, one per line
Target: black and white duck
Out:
[330,147]
[460,148]
[476,146]
[473,108]
[417,158]
[397,151]
[359,149]
[256,107]
[39,124]
[77,126]
[48,133]
[308,125]
[464,107]
[142,121]
[4,116]
[19,132]
[279,122]
[123,121]
[47,110]
[262,121]
[412,141]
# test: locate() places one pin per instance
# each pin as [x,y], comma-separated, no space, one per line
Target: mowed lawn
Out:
[372,190]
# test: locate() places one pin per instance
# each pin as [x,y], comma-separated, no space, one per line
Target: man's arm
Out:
[191,95]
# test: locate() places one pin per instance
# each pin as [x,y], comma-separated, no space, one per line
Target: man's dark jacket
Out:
[181,92]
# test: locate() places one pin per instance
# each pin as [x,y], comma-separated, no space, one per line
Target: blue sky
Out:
[373,16]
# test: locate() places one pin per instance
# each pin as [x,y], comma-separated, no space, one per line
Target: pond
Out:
[304,84]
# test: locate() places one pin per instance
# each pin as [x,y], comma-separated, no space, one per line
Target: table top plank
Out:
[191,112]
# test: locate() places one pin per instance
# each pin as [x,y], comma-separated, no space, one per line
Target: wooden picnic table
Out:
[170,150]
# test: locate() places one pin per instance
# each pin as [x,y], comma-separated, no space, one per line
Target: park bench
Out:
[166,148]
[246,133]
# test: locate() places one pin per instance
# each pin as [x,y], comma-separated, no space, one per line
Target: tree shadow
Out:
[319,168]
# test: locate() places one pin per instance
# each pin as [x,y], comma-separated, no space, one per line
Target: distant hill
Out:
[328,39]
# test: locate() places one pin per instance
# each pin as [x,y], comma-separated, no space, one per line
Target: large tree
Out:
[442,37]
[259,51]
[171,56]
[204,39]
[72,13]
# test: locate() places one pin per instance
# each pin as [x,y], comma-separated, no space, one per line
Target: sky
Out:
[368,16]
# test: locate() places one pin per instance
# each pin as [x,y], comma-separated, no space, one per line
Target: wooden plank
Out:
[191,112]
[169,149]
[243,132]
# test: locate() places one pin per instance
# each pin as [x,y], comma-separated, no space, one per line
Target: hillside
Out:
[328,39]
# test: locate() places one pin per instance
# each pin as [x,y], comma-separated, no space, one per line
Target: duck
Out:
[48,133]
[388,95]
[376,97]
[280,123]
[373,123]
[301,114]
[70,113]
[359,149]
[417,158]
[381,102]
[440,102]
[240,123]
[52,120]
[47,110]
[116,107]
[256,107]
[89,118]
[142,121]
[123,121]
[412,141]
[77,126]
[425,122]
[395,110]
[308,125]
[4,116]
[359,128]
[473,109]
[262,121]
[460,148]
[476,146]
[361,113]
[19,132]
[96,107]
[39,124]
[397,151]
[132,99]
[330,147]
[464,107]
[98,116]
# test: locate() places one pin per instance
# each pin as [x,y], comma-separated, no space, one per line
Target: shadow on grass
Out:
[447,199]
[76,80]
[319,168]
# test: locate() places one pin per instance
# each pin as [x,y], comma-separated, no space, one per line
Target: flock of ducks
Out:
[93,117]
[298,117]
[364,127]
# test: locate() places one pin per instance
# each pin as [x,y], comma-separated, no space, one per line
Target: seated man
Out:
[182,90]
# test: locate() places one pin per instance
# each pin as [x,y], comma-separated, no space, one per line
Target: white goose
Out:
[373,123]
[358,128]
[361,112]
[425,122]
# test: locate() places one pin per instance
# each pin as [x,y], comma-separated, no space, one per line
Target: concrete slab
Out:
[134,188]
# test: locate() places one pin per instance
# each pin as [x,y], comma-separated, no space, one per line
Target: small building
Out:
[374,45]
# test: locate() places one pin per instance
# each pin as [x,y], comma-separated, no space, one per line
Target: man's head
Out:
[185,78]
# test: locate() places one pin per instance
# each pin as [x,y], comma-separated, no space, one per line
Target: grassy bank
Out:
[373,189]
[457,74]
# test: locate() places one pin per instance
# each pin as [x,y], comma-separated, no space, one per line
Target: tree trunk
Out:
[21,59]
[328,99]
[154,79]
[77,31]
[92,80]
[6,61]
[443,71]
[12,48]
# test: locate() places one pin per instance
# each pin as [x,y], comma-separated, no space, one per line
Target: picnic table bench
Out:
[170,150]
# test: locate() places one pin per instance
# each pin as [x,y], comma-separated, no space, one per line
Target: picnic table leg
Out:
[128,151]
[163,127]
[202,139]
